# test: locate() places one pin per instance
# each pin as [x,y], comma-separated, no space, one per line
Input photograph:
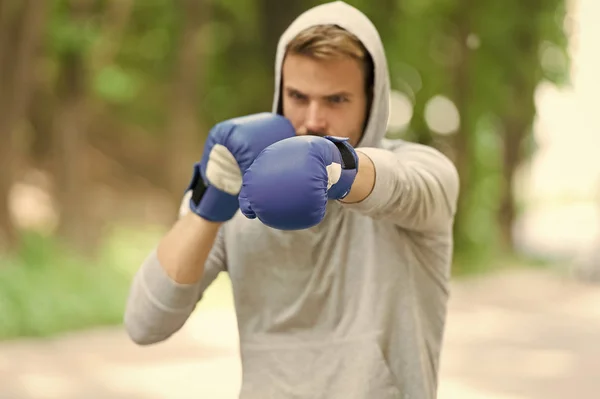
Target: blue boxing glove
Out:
[288,185]
[230,148]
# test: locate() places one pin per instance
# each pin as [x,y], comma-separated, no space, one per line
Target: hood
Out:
[351,19]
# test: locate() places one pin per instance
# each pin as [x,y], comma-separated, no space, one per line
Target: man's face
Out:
[325,98]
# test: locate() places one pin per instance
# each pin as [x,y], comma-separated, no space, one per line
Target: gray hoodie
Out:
[353,308]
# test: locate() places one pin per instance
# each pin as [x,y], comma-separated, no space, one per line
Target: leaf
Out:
[116,85]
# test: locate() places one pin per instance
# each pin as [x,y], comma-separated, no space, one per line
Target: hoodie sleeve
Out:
[416,187]
[157,306]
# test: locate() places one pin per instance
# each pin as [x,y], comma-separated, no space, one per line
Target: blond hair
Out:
[327,42]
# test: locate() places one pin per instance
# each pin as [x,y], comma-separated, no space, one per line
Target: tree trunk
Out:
[277,15]
[70,143]
[41,116]
[519,116]
[43,107]
[463,139]
[515,130]
[21,26]
[185,130]
[8,237]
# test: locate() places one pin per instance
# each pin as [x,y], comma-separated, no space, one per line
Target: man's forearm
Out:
[415,187]
[167,286]
[183,251]
[364,181]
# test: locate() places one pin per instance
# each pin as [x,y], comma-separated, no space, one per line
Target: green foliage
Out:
[69,35]
[484,261]
[116,85]
[45,290]
[149,43]
[512,46]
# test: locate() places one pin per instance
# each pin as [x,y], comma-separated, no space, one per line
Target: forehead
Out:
[322,76]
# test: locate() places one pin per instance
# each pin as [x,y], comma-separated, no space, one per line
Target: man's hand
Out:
[288,185]
[230,149]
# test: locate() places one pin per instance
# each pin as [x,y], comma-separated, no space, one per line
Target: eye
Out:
[296,95]
[337,99]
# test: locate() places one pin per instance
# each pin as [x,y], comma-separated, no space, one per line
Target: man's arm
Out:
[414,186]
[189,257]
[172,279]
[183,251]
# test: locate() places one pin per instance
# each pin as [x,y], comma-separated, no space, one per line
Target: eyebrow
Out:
[290,89]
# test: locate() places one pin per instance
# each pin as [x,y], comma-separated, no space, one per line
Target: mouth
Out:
[318,134]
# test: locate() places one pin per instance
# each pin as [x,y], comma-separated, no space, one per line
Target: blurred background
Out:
[105,105]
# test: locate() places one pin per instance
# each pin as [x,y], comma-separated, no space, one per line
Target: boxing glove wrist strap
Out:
[197,186]
[349,168]
[209,202]
[349,157]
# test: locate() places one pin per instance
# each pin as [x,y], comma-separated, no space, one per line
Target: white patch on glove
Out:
[334,172]
[223,171]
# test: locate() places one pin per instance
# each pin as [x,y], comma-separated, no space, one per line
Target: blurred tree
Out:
[462,17]
[507,41]
[522,74]
[70,126]
[126,91]
[117,15]
[485,57]
[132,91]
[184,129]
[275,17]
[21,27]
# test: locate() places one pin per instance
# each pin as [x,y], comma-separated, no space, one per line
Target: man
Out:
[340,257]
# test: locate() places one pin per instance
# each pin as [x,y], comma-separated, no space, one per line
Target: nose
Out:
[315,118]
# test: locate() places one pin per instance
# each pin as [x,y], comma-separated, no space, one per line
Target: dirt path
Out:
[518,335]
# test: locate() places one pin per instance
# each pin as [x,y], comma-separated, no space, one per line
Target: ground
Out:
[526,334]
